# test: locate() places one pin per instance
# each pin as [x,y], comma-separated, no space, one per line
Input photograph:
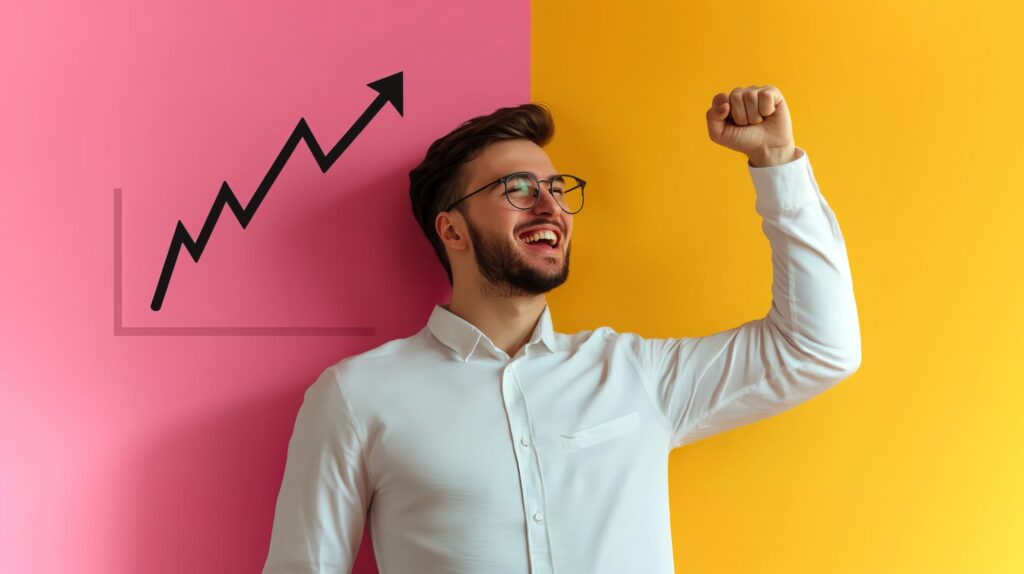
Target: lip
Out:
[542,248]
[553,229]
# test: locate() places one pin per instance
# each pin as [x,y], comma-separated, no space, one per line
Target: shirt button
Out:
[538,516]
[524,441]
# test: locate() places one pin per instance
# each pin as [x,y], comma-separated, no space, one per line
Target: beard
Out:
[507,272]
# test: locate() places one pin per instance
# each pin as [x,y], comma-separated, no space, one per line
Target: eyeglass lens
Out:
[523,190]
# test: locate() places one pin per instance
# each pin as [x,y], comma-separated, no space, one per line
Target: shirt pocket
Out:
[602,432]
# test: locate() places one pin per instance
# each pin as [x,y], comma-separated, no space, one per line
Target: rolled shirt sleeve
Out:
[321,507]
[809,340]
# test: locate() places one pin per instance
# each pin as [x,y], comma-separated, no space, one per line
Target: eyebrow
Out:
[531,173]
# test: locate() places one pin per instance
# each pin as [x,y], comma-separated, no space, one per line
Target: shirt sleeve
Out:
[325,493]
[808,341]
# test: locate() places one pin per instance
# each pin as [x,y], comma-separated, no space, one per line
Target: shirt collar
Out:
[463,337]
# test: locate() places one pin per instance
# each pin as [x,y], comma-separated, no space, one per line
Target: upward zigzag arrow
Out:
[389,90]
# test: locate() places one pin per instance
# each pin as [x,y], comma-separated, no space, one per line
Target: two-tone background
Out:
[141,441]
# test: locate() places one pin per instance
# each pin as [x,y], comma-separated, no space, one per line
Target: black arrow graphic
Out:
[389,90]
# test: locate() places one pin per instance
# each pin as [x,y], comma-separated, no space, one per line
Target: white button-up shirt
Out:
[554,460]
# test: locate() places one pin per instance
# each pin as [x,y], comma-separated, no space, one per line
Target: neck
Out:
[507,321]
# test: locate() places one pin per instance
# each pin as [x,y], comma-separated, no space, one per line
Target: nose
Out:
[546,203]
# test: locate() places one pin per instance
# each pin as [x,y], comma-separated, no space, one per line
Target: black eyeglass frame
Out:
[504,181]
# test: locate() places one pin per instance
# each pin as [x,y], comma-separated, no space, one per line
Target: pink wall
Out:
[148,451]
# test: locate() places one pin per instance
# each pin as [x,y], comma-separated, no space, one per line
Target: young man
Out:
[489,443]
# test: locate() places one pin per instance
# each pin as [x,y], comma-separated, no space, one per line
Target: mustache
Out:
[556,224]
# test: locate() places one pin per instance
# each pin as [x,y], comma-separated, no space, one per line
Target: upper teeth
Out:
[544,234]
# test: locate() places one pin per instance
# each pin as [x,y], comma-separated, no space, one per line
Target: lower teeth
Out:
[541,244]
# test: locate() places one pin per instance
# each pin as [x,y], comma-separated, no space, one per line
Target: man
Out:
[489,443]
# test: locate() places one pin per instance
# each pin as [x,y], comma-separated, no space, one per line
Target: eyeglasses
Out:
[522,189]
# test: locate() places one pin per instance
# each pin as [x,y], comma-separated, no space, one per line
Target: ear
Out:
[448,226]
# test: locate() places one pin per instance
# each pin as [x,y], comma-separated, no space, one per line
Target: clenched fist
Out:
[754,121]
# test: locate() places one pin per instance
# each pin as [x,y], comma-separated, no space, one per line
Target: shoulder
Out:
[610,341]
[365,376]
[603,336]
[379,360]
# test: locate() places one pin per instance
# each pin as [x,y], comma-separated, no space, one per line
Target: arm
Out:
[808,341]
[325,492]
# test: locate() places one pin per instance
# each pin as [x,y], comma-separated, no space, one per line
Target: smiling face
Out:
[511,247]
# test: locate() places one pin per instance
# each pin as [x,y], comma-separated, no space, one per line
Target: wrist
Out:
[770,157]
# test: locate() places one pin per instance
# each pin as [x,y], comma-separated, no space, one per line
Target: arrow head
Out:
[391,88]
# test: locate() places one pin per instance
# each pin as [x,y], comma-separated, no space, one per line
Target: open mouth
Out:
[545,241]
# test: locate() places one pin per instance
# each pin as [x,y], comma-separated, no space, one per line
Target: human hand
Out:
[754,121]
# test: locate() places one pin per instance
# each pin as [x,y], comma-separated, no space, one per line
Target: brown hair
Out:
[437,181]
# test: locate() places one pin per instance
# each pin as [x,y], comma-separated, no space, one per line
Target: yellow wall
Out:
[911,115]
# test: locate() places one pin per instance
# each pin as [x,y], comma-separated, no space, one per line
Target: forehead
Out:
[504,157]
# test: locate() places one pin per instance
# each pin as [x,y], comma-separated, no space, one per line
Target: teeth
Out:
[546,234]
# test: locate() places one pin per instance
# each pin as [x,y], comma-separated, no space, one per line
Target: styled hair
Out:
[437,181]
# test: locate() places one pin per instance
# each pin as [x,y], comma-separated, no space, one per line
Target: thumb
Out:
[717,113]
